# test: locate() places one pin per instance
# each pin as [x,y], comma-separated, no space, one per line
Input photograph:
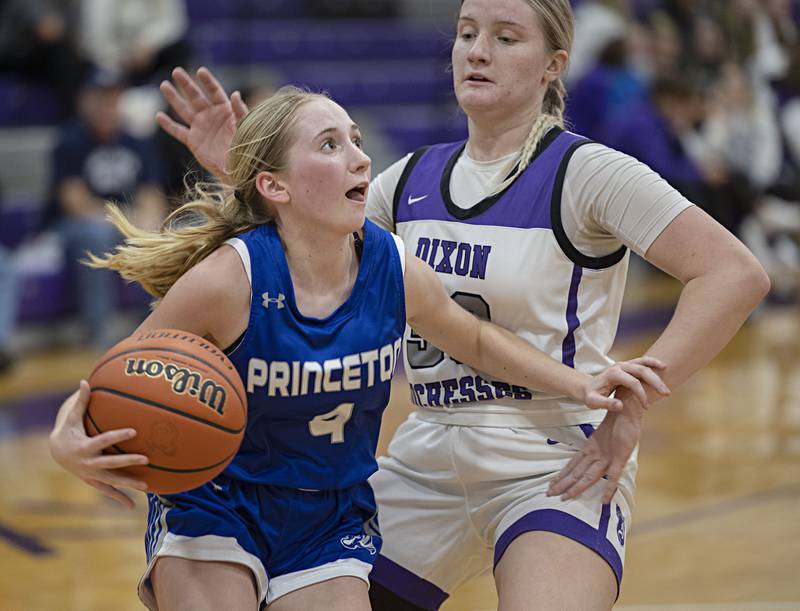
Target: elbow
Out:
[756,282]
[760,281]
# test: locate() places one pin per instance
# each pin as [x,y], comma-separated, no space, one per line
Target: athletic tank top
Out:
[316,388]
[508,260]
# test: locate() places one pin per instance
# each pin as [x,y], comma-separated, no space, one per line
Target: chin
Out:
[477,101]
[356,220]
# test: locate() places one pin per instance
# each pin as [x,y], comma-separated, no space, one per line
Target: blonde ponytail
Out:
[192,232]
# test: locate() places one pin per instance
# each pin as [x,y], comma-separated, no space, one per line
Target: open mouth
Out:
[358,193]
[477,78]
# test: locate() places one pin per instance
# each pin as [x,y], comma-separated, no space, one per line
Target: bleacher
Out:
[391,74]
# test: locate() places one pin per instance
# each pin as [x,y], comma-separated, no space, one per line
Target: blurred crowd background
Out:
[706,92]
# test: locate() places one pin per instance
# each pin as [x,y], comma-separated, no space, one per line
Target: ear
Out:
[272,188]
[558,64]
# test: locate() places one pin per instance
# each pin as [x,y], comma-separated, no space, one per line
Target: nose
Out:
[361,162]
[479,50]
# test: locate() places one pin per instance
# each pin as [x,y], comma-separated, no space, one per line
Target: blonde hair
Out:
[558,24]
[196,229]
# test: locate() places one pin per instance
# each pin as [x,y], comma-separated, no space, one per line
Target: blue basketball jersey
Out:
[316,388]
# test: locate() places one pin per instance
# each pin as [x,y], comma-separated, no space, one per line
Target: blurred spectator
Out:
[37,40]
[9,301]
[665,47]
[774,33]
[606,90]
[597,23]
[653,133]
[740,120]
[143,38]
[95,161]
[661,133]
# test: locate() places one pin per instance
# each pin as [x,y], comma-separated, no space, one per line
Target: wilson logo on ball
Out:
[183,380]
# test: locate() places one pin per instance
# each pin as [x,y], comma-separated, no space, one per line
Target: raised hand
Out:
[632,375]
[83,456]
[210,117]
[605,453]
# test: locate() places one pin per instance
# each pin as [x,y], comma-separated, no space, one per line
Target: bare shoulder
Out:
[219,275]
[211,299]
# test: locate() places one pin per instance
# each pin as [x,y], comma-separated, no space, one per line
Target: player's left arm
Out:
[500,353]
[722,284]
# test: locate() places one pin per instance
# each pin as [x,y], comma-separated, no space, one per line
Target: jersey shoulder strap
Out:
[398,191]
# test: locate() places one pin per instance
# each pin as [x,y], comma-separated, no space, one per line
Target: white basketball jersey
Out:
[508,260]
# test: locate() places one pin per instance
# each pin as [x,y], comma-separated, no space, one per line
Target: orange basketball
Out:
[184,398]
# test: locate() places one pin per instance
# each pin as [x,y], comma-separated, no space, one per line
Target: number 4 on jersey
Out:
[332,423]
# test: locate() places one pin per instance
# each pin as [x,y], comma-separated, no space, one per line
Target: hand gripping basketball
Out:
[183,397]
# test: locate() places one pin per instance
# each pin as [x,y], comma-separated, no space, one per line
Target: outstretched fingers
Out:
[173,128]
[213,88]
[177,101]
[239,107]
[194,95]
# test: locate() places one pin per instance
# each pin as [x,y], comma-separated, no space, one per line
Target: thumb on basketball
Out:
[79,403]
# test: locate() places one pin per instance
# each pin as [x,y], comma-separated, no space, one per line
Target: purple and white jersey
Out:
[507,259]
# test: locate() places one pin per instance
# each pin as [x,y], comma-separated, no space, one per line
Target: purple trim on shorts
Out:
[605,515]
[559,522]
[407,585]
[568,346]
[587,429]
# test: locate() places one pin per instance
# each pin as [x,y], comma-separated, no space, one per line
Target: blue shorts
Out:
[289,538]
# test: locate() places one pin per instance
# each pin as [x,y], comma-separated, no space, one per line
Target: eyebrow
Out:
[353,127]
[501,22]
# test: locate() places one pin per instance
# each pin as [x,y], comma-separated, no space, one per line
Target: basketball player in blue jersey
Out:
[310,302]
[530,226]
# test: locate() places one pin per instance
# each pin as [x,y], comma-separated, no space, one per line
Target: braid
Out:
[552,115]
[554,100]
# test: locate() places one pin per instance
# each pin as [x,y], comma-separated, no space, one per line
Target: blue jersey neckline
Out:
[349,304]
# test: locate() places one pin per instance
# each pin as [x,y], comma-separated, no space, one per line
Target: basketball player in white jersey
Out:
[530,226]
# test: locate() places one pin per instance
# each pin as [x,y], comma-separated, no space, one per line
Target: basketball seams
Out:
[186,354]
[119,450]
[128,381]
[149,402]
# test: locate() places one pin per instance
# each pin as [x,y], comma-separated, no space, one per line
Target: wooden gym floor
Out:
[717,522]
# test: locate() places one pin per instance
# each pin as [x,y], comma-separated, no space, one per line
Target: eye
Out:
[329,145]
[467,35]
[359,142]
[506,40]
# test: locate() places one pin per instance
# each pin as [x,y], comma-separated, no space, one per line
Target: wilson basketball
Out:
[184,398]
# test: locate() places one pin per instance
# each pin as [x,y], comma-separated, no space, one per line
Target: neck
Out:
[323,267]
[491,138]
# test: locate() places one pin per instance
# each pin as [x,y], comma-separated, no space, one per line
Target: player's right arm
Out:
[212,300]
